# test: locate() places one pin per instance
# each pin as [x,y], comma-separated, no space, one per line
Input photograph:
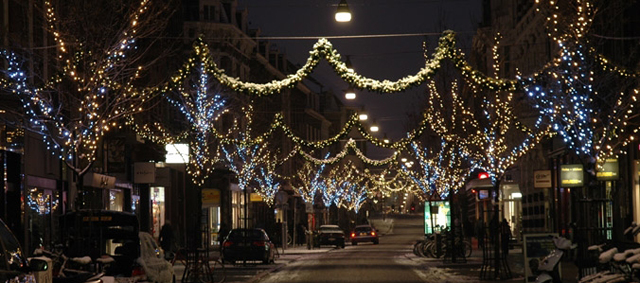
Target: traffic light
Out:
[483,175]
[474,191]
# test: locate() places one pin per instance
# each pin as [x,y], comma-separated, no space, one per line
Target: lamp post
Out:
[343,14]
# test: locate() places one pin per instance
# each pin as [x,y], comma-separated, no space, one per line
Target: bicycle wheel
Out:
[218,272]
[417,247]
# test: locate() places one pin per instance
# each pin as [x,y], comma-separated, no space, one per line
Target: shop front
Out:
[43,203]
[211,201]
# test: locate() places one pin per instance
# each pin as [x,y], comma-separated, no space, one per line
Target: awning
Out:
[479,183]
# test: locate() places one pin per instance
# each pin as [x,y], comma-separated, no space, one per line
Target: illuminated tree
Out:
[202,104]
[245,158]
[98,64]
[309,181]
[587,101]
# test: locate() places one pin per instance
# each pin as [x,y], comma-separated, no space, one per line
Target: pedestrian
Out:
[480,232]
[222,232]
[505,232]
[167,239]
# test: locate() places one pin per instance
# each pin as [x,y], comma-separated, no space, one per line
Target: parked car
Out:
[364,233]
[115,234]
[329,235]
[248,245]
[14,266]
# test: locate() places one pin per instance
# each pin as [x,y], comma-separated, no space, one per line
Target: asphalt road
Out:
[366,262]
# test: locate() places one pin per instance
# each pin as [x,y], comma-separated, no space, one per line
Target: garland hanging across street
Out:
[351,144]
[324,49]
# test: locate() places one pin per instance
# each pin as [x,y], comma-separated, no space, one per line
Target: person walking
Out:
[167,239]
[480,232]
[505,233]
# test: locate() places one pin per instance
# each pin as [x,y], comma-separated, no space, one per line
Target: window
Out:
[208,13]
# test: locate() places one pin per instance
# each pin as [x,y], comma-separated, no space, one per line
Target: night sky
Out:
[302,22]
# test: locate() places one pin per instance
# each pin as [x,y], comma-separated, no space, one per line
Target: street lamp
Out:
[350,94]
[343,14]
[385,139]
[363,116]
[374,127]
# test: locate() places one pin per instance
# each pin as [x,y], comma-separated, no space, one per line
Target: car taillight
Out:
[137,271]
[353,235]
[227,244]
[373,233]
[259,243]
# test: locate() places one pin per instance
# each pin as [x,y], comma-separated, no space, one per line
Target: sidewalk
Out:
[473,266]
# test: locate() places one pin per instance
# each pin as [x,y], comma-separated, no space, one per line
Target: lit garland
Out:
[351,144]
[324,49]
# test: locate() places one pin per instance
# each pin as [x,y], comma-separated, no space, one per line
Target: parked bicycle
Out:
[73,269]
[436,246]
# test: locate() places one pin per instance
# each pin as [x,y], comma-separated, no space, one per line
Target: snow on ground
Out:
[430,274]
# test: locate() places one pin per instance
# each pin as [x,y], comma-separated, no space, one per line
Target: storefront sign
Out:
[99,181]
[536,247]
[255,197]
[210,197]
[144,172]
[177,153]
[542,179]
[609,171]
[571,175]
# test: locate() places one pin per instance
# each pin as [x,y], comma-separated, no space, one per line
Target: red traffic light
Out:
[473,191]
[483,175]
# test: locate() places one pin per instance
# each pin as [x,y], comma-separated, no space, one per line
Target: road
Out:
[386,262]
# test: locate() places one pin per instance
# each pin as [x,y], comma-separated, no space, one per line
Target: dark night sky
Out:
[379,58]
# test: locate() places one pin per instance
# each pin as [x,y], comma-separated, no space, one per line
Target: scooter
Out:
[549,265]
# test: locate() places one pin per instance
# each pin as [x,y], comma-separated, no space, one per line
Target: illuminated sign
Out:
[210,197]
[436,216]
[177,153]
[542,179]
[571,175]
[609,170]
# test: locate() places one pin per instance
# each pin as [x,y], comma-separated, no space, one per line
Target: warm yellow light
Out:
[343,14]
[363,117]
[350,94]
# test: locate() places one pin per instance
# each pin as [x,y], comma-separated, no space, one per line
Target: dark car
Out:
[248,245]
[364,233]
[100,233]
[329,235]
[14,266]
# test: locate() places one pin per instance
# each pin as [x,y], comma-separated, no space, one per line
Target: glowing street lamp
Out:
[363,116]
[374,127]
[343,14]
[350,94]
